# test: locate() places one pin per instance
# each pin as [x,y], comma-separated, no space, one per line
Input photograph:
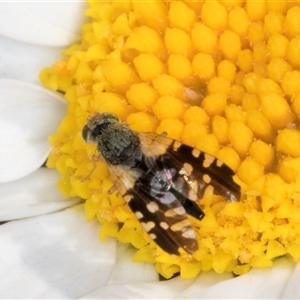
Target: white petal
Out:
[32,195]
[25,61]
[266,283]
[28,114]
[53,256]
[142,290]
[258,283]
[127,271]
[48,23]
[292,289]
[279,282]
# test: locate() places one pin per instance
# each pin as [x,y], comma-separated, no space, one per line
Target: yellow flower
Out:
[220,76]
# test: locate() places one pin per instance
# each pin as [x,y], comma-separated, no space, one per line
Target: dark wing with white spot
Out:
[199,169]
[208,171]
[166,224]
[149,193]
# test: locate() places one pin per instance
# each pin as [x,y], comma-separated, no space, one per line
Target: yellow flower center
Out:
[221,76]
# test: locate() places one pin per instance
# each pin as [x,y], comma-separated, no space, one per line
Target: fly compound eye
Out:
[86,134]
[96,125]
[110,116]
[89,132]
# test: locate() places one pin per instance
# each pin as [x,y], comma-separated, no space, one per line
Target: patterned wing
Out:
[199,169]
[208,171]
[166,223]
[154,202]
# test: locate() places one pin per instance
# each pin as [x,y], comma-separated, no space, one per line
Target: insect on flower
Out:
[160,178]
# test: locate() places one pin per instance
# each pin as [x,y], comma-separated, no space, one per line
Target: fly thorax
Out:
[119,145]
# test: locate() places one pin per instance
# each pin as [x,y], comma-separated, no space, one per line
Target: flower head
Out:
[227,85]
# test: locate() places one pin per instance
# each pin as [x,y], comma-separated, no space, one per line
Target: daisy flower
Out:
[235,96]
